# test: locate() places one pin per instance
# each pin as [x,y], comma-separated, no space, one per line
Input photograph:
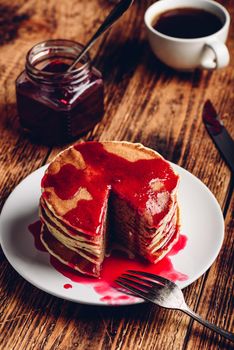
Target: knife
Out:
[218,133]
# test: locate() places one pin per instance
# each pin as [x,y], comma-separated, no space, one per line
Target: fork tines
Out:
[143,284]
[157,278]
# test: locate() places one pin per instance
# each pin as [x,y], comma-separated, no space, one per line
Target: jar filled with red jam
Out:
[56,106]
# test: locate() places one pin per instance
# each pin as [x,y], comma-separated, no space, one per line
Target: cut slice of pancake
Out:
[95,194]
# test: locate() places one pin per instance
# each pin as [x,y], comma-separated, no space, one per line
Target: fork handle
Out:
[225,334]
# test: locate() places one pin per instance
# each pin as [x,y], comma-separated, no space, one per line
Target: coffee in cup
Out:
[186,35]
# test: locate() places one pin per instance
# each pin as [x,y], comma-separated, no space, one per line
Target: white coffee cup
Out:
[208,52]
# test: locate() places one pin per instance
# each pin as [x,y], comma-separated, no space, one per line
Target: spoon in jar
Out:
[113,16]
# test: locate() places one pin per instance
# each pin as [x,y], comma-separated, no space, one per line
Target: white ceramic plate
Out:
[202,223]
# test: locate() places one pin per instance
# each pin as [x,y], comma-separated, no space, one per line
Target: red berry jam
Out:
[56,106]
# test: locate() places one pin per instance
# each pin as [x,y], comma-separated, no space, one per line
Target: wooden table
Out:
[144,102]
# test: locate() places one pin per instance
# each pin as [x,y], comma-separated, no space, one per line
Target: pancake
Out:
[95,194]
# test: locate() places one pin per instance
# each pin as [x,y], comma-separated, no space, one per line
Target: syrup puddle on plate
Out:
[114,265]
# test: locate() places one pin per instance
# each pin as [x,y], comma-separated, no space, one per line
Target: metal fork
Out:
[162,292]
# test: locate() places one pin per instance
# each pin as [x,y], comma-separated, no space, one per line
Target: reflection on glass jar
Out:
[56,106]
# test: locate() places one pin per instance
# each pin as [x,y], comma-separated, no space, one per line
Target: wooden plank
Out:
[145,102]
[216,301]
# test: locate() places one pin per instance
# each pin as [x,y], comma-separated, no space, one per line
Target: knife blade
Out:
[218,133]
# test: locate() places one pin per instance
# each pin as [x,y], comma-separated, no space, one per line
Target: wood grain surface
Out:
[144,102]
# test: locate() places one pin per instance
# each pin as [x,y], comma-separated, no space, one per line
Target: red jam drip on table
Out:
[104,171]
[114,266]
[67,286]
[58,112]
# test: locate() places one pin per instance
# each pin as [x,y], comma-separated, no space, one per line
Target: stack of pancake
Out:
[96,194]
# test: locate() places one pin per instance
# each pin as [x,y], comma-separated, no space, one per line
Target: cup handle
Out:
[214,55]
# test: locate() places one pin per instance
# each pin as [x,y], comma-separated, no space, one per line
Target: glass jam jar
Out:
[56,106]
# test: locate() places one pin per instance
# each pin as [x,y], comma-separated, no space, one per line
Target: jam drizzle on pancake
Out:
[107,171]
